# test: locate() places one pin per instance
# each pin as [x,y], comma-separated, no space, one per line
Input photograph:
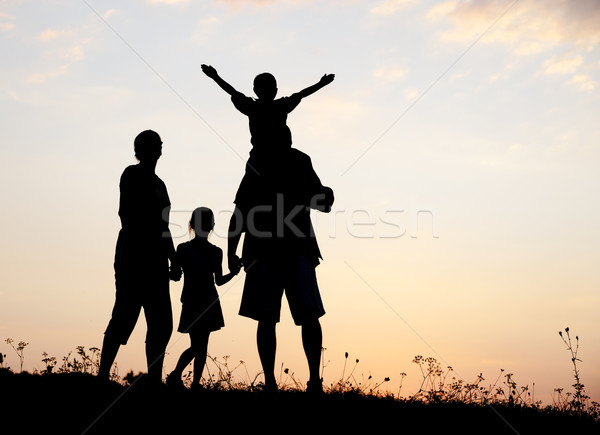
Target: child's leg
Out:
[200,349]
[186,357]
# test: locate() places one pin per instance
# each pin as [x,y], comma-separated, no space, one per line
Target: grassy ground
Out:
[78,403]
[67,398]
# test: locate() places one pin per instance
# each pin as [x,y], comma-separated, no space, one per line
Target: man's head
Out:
[265,86]
[147,146]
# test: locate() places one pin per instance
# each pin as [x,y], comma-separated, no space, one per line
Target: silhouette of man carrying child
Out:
[273,202]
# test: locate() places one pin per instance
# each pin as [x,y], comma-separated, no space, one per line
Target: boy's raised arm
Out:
[212,73]
[325,80]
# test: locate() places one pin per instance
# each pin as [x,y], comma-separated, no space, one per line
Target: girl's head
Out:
[265,86]
[202,222]
[147,146]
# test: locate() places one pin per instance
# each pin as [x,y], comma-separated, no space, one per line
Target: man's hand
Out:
[209,71]
[323,201]
[175,272]
[235,270]
[326,79]
[234,263]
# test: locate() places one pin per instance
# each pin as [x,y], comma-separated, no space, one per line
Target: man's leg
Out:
[159,320]
[109,351]
[303,296]
[266,341]
[155,356]
[312,340]
[122,322]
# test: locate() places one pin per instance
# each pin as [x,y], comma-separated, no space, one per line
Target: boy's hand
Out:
[209,71]
[326,79]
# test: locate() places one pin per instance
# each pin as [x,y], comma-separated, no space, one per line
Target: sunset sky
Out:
[461,139]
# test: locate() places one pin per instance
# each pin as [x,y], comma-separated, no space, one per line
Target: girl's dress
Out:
[201,310]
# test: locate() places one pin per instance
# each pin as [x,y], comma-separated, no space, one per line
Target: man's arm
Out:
[175,270]
[233,239]
[325,80]
[212,73]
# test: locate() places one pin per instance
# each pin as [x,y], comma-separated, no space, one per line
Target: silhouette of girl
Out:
[201,312]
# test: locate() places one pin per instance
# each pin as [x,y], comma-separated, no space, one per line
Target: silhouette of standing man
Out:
[279,254]
[144,249]
[273,205]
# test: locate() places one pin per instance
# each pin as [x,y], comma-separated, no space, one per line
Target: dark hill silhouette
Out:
[79,403]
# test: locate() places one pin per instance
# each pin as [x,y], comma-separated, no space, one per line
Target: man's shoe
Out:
[313,387]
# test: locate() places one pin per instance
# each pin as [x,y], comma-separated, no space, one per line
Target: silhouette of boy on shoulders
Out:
[271,138]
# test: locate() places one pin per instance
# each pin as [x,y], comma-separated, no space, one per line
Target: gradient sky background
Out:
[461,140]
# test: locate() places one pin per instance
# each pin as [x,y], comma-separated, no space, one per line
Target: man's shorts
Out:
[130,299]
[266,281]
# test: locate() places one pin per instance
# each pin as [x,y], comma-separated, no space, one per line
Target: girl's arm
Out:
[212,73]
[221,279]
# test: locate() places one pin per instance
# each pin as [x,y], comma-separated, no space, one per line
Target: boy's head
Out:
[265,86]
[202,221]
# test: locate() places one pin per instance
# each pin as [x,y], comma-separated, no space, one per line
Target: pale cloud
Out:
[6,22]
[168,2]
[236,5]
[109,13]
[65,48]
[528,27]
[204,30]
[6,26]
[562,65]
[498,76]
[390,7]
[38,78]
[584,82]
[390,74]
[51,34]
[73,54]
[208,21]
[411,93]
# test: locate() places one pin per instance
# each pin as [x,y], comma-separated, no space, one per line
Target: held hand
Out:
[326,79]
[175,272]
[235,270]
[234,263]
[209,71]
